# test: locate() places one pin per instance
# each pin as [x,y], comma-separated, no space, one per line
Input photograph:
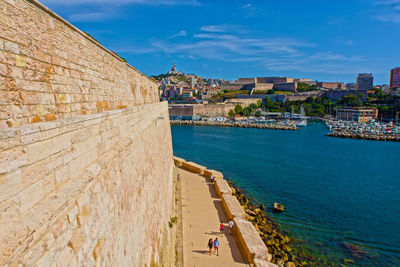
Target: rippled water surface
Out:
[335,191]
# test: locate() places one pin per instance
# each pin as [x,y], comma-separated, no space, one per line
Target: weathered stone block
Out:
[249,241]
[12,159]
[178,161]
[62,174]
[222,187]
[30,196]
[40,150]
[193,167]
[232,207]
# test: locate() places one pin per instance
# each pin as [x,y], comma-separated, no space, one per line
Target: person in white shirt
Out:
[231,226]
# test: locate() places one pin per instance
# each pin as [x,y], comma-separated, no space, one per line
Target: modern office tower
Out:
[365,81]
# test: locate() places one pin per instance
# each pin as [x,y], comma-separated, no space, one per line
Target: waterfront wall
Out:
[86,169]
[244,102]
[251,245]
[213,110]
[49,69]
[208,110]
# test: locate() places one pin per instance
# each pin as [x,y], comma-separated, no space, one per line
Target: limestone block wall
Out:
[49,69]
[89,190]
[213,110]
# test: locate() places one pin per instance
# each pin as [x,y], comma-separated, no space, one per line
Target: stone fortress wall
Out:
[86,169]
[49,69]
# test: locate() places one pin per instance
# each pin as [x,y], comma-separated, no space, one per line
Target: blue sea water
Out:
[335,190]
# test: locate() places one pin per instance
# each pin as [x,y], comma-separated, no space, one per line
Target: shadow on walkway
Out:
[201,251]
[222,218]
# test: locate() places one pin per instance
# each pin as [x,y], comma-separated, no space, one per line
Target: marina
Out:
[370,131]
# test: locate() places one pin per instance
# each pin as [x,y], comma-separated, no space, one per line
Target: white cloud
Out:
[214,28]
[393,17]
[85,17]
[222,28]
[276,53]
[178,34]
[388,12]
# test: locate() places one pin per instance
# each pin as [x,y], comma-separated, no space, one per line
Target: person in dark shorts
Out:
[216,245]
[210,245]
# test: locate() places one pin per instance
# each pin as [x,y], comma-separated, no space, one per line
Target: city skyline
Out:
[329,42]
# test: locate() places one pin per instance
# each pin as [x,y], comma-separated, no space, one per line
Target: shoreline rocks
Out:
[278,244]
[235,124]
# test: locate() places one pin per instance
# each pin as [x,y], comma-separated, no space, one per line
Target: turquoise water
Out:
[334,190]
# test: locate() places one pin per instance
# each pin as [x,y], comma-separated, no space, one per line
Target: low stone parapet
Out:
[178,161]
[193,167]
[216,174]
[250,242]
[222,187]
[232,207]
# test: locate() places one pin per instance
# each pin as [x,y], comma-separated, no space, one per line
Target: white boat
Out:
[301,123]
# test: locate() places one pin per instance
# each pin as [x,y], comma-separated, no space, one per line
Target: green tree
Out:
[238,109]
[231,113]
[253,106]
[247,111]
[350,100]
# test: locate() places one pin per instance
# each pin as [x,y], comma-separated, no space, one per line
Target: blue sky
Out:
[318,39]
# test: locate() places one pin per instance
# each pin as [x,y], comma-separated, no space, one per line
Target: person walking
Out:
[221,228]
[216,245]
[212,179]
[231,227]
[210,245]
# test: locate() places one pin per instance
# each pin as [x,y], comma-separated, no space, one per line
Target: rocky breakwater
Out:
[377,137]
[271,126]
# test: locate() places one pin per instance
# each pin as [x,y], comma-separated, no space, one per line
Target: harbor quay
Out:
[271,126]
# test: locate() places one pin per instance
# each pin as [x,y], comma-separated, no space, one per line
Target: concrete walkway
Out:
[201,216]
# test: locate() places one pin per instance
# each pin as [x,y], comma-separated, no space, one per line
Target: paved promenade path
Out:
[201,216]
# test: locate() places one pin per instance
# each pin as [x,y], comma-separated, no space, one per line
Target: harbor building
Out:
[357,114]
[395,78]
[193,82]
[364,81]
[331,85]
